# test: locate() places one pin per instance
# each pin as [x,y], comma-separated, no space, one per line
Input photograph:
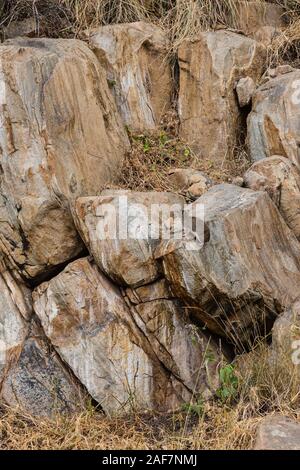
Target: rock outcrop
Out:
[139,359]
[273,124]
[123,228]
[285,348]
[234,282]
[15,312]
[260,20]
[31,375]
[210,119]
[278,432]
[281,179]
[138,71]
[60,138]
[38,382]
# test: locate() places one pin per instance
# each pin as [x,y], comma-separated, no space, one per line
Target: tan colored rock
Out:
[126,255]
[28,27]
[192,182]
[85,318]
[280,70]
[267,34]
[245,89]
[192,358]
[138,71]
[260,20]
[285,349]
[246,271]
[143,356]
[278,432]
[60,138]
[183,178]
[210,67]
[238,181]
[273,124]
[159,290]
[38,382]
[198,189]
[281,179]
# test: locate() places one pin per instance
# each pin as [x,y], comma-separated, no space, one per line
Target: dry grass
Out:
[182,18]
[263,389]
[153,156]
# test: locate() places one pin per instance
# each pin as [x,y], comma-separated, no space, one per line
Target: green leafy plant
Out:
[228,383]
[194,408]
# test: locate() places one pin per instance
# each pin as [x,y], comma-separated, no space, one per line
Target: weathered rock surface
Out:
[281,179]
[131,229]
[29,27]
[184,350]
[273,124]
[83,315]
[144,358]
[260,20]
[209,70]
[234,279]
[38,382]
[31,375]
[15,310]
[192,182]
[245,89]
[60,138]
[285,349]
[278,433]
[135,58]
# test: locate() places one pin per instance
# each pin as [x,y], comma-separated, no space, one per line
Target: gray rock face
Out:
[278,433]
[138,71]
[38,382]
[273,124]
[234,279]
[210,119]
[31,376]
[60,138]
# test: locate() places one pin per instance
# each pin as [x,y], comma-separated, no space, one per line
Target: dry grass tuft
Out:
[285,48]
[188,17]
[181,18]
[153,156]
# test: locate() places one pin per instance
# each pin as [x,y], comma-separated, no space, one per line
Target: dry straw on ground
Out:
[215,425]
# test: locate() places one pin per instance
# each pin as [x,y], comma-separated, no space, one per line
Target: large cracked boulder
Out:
[273,124]
[138,71]
[122,229]
[144,358]
[60,138]
[210,67]
[31,374]
[281,179]
[190,356]
[246,271]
